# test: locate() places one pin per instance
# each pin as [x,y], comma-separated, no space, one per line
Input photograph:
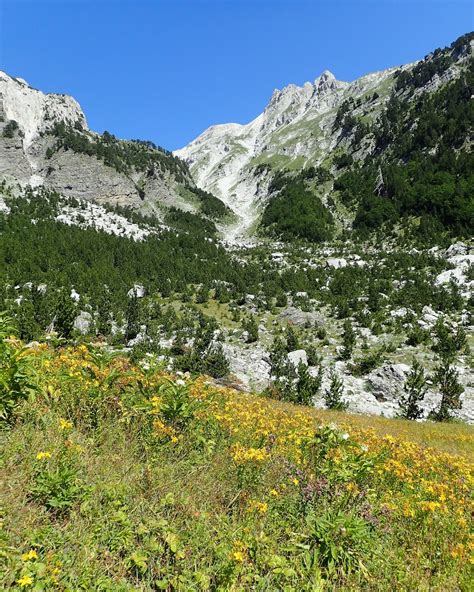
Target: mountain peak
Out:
[327,75]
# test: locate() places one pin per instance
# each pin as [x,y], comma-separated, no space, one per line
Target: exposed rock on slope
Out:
[296,125]
[45,141]
[309,125]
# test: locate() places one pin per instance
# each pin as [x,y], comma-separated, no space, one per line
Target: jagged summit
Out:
[296,122]
[308,125]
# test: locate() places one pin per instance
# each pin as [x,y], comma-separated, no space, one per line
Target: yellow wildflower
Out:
[31,554]
[64,424]
[25,581]
[242,455]
[43,455]
[430,506]
[238,556]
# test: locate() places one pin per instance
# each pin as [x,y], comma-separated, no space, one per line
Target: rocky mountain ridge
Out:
[301,127]
[45,141]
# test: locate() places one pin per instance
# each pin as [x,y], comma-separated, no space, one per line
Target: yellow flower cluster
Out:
[162,430]
[414,482]
[242,455]
[29,555]
[256,506]
[239,552]
[64,424]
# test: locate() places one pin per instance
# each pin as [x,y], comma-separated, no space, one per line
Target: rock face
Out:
[249,365]
[296,123]
[386,383]
[299,125]
[29,155]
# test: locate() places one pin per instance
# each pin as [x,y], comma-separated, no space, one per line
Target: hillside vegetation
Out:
[122,477]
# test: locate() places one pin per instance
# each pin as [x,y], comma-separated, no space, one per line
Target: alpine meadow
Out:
[245,364]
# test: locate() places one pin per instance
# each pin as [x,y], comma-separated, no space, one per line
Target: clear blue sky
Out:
[165,70]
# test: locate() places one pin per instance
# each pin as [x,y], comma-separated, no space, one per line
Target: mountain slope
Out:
[45,141]
[311,126]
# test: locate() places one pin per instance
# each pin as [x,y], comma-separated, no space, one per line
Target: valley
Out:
[246,364]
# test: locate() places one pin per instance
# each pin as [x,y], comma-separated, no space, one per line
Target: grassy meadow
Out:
[122,477]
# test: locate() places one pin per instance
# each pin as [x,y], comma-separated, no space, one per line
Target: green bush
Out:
[16,373]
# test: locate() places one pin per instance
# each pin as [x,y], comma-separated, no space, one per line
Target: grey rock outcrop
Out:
[30,155]
[386,383]
[298,317]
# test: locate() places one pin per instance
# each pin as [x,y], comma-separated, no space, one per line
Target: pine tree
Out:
[251,326]
[28,328]
[307,386]
[216,363]
[278,358]
[291,339]
[281,300]
[348,341]
[415,388]
[103,309]
[132,317]
[447,378]
[333,395]
[65,315]
[202,295]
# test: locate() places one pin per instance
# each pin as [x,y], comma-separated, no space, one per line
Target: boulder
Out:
[82,322]
[430,316]
[298,356]
[457,249]
[295,316]
[386,383]
[138,289]
[336,262]
[249,365]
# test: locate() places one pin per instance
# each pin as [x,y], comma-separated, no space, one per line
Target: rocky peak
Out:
[35,111]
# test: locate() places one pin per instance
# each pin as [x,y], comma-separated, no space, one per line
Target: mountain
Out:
[45,141]
[315,125]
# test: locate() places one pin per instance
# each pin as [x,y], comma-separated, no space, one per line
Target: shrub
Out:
[15,371]
[367,363]
[340,539]
[348,341]
[10,129]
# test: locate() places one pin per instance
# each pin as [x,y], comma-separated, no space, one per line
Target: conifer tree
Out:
[216,363]
[333,395]
[65,314]
[132,318]
[28,328]
[307,386]
[104,309]
[447,378]
[415,388]
[348,341]
[251,326]
[291,339]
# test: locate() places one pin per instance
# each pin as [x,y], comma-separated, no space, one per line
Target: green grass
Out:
[117,478]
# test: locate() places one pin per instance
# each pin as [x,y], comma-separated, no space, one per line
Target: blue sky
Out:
[164,70]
